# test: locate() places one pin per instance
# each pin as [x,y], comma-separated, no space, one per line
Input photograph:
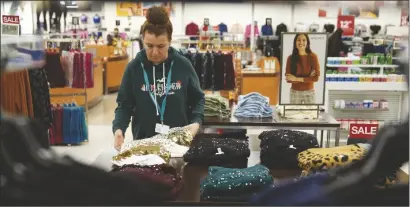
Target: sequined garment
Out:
[217,151]
[163,178]
[144,150]
[279,148]
[226,183]
[173,148]
[180,135]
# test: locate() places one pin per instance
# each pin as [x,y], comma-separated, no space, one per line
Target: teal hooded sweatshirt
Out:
[184,102]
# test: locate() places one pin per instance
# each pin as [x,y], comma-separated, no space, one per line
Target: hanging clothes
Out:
[69,125]
[78,69]
[40,96]
[248,31]
[54,70]
[215,70]
[15,94]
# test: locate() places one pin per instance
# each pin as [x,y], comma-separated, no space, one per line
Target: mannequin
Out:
[267,28]
[42,7]
[55,9]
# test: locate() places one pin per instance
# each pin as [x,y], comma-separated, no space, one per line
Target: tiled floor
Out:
[101,139]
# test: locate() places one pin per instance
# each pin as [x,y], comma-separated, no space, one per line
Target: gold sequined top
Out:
[180,136]
[144,150]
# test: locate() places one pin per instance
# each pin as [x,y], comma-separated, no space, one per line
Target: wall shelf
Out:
[361,66]
[360,109]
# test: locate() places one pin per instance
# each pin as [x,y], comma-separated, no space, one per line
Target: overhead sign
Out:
[363,131]
[346,23]
[10,19]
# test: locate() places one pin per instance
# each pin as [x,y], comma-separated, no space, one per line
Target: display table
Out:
[263,82]
[326,123]
[114,70]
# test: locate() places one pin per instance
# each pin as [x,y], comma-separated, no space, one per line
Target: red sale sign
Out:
[10,19]
[346,23]
[363,131]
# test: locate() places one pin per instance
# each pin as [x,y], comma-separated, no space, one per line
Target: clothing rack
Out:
[81,42]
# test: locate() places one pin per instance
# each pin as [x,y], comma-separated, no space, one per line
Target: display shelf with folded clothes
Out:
[163,178]
[319,160]
[253,105]
[280,148]
[234,185]
[218,152]
[216,106]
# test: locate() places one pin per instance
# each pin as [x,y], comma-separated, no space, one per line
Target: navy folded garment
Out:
[306,191]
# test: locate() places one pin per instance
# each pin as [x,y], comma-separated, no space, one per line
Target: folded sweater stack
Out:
[163,178]
[218,151]
[253,105]
[234,185]
[280,148]
[216,106]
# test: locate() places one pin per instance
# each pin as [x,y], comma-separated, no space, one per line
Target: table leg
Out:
[321,138]
[337,138]
[328,139]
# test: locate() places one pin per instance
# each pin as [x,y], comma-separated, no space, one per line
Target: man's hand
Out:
[194,128]
[290,77]
[313,73]
[118,139]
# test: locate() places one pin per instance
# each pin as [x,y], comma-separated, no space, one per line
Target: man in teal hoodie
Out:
[160,88]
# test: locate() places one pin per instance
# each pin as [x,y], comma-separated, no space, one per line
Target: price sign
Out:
[346,23]
[75,20]
[10,25]
[363,131]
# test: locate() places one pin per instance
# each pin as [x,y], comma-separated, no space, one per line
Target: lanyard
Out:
[153,94]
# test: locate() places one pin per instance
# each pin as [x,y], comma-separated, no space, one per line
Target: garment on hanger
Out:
[329,28]
[280,29]
[192,29]
[248,30]
[267,30]
[83,19]
[40,94]
[78,69]
[335,45]
[236,29]
[69,126]
[314,27]
[42,7]
[301,27]
[222,28]
[360,30]
[15,94]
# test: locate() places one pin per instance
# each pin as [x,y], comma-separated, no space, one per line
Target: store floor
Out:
[101,139]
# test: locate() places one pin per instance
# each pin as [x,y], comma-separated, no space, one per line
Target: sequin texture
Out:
[217,151]
[279,148]
[227,183]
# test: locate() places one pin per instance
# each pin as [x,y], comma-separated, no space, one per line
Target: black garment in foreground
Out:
[204,151]
[59,181]
[279,148]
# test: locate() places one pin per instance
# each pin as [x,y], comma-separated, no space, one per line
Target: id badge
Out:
[161,129]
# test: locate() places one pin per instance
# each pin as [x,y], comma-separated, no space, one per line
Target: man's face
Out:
[156,47]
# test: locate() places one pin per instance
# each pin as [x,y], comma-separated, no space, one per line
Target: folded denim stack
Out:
[234,185]
[218,151]
[280,148]
[216,106]
[163,178]
[253,105]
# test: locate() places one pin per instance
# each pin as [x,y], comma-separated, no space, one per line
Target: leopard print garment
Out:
[321,159]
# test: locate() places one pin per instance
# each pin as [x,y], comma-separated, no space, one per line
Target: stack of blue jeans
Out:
[253,105]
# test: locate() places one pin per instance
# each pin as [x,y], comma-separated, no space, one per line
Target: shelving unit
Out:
[361,66]
[360,109]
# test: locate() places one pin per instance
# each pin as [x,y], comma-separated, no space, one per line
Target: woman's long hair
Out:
[295,53]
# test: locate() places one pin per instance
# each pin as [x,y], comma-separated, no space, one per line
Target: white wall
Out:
[230,13]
